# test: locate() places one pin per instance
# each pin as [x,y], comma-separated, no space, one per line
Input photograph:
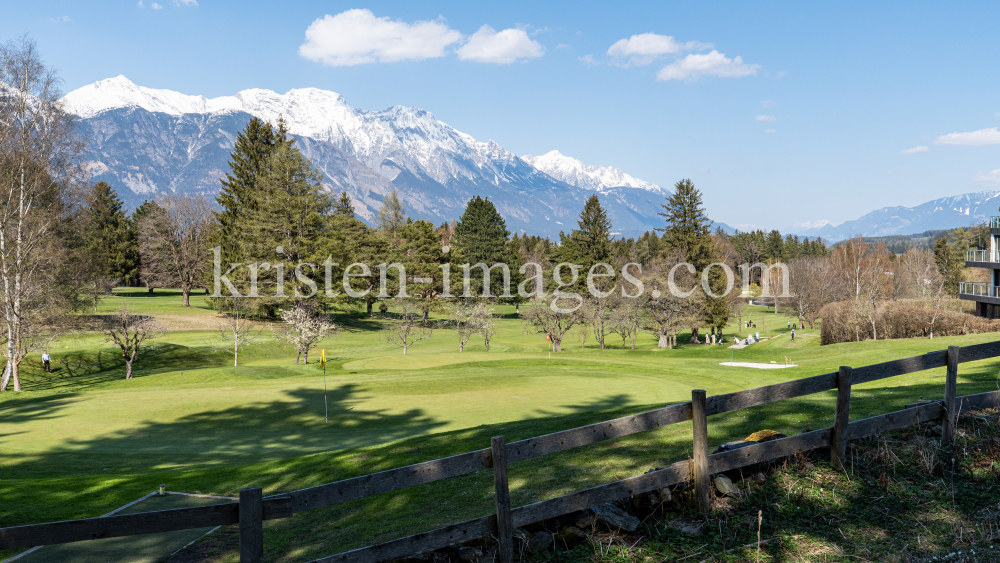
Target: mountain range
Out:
[145,141]
[939,214]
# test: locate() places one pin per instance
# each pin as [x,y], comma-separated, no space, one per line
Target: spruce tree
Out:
[481,235]
[248,164]
[591,243]
[343,205]
[110,240]
[147,208]
[687,232]
[687,229]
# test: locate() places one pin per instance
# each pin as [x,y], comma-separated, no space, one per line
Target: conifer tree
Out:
[392,215]
[687,230]
[687,234]
[110,243]
[591,243]
[949,263]
[343,205]
[481,236]
[291,213]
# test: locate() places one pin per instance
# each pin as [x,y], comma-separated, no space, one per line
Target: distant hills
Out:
[937,215]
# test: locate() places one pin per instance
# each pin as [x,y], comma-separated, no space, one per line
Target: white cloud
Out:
[693,67]
[500,47]
[156,6]
[770,130]
[997,114]
[139,3]
[186,3]
[767,103]
[563,46]
[914,150]
[982,137]
[992,177]
[764,118]
[358,37]
[589,60]
[63,19]
[644,48]
[782,74]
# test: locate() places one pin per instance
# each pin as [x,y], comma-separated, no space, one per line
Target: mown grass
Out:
[83,440]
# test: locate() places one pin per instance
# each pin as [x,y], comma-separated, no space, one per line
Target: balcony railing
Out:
[984,289]
[982,256]
[995,222]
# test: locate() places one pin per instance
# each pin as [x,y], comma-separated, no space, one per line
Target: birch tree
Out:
[39,150]
[238,327]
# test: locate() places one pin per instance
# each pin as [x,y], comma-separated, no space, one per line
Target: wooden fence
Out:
[252,508]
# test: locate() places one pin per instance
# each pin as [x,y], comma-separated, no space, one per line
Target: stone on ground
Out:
[615,518]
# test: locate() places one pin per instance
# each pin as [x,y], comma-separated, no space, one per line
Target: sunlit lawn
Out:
[83,440]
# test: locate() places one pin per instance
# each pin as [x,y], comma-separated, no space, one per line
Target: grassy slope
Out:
[64,441]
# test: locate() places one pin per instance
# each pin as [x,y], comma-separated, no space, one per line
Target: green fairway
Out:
[83,440]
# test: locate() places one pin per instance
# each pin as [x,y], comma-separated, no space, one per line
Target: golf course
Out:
[82,440]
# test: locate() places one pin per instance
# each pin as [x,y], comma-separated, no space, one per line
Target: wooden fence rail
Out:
[253,509]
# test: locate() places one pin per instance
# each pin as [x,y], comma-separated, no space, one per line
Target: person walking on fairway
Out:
[793,335]
[45,361]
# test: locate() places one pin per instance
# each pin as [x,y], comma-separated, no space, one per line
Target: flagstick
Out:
[326,409]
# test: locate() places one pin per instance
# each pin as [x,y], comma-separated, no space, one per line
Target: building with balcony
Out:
[986,295]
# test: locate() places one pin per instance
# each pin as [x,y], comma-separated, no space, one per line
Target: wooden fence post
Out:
[950,391]
[838,445]
[702,484]
[505,525]
[251,525]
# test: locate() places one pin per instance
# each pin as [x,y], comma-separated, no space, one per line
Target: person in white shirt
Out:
[45,361]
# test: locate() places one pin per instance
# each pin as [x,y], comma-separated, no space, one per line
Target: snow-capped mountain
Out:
[147,141]
[597,178]
[943,213]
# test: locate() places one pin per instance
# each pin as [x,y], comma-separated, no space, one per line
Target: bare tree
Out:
[173,241]
[407,328]
[460,316]
[582,332]
[485,321]
[39,150]
[128,329]
[597,311]
[539,318]
[627,320]
[238,328]
[304,328]
[814,283]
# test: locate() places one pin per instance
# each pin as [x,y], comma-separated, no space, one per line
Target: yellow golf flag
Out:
[322,358]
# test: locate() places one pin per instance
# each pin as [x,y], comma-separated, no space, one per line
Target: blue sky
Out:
[807,125]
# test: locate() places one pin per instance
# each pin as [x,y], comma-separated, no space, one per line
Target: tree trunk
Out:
[461,346]
[187,297]
[236,353]
[674,338]
[128,368]
[305,357]
[150,290]
[426,318]
[369,304]
[404,349]
[555,346]
[298,356]
[487,344]
[664,341]
[694,336]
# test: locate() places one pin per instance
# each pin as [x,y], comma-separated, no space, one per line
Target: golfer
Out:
[45,361]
